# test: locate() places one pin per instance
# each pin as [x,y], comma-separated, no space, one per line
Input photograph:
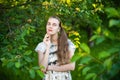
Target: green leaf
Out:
[103,54]
[114,22]
[85,47]
[28,59]
[17,64]
[85,60]
[32,73]
[90,76]
[108,63]
[75,57]
[85,70]
[114,50]
[100,40]
[28,52]
[40,73]
[36,67]
[112,12]
[93,37]
[109,34]
[10,64]
[21,47]
[4,61]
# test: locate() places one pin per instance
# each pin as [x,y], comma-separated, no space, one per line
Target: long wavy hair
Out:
[62,51]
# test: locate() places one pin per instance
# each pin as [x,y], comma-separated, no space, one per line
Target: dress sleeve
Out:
[71,45]
[41,47]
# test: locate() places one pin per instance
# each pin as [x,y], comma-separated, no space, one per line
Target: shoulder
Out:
[71,47]
[41,43]
[41,46]
[71,44]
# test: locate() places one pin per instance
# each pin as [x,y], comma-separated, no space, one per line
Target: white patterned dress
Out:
[52,60]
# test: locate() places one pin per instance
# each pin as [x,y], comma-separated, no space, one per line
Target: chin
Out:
[50,33]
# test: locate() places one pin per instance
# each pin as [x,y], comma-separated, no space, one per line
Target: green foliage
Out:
[113,22]
[85,48]
[17,54]
[93,26]
[112,12]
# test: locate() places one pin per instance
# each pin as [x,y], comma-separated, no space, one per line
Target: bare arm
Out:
[43,59]
[66,67]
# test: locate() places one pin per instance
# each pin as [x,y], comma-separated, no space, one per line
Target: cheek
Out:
[46,27]
[56,30]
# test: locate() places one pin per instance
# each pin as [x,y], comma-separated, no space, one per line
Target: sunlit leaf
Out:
[81,66]
[90,76]
[85,70]
[17,64]
[77,39]
[75,57]
[41,74]
[114,22]
[99,30]
[77,9]
[63,1]
[109,34]
[68,1]
[94,5]
[112,12]
[94,37]
[85,47]
[103,54]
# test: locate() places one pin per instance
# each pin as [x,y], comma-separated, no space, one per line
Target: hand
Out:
[46,40]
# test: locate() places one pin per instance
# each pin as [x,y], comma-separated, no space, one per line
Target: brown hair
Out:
[62,52]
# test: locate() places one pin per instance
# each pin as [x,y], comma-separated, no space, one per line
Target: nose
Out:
[50,26]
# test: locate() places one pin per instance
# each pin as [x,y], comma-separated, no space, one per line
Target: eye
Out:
[48,23]
[54,24]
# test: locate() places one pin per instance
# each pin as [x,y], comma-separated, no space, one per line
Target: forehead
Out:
[53,20]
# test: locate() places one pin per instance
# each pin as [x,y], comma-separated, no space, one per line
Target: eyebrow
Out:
[52,23]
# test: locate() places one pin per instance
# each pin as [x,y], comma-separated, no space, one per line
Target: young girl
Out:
[55,52]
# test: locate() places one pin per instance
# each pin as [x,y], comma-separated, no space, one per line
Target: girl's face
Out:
[52,26]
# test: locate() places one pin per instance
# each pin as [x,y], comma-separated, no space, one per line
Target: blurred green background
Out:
[92,25]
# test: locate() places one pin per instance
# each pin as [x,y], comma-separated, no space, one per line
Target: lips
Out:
[50,30]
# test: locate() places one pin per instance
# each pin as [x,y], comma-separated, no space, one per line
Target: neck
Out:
[54,38]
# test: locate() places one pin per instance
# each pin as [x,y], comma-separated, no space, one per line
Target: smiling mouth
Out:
[50,30]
